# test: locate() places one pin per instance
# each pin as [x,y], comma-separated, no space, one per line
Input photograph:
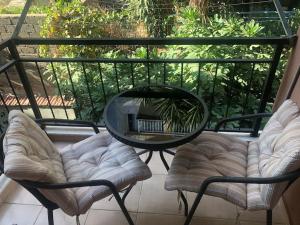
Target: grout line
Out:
[40,213]
[138,208]
[181,215]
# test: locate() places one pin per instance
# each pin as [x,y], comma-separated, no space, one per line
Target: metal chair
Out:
[68,186]
[253,175]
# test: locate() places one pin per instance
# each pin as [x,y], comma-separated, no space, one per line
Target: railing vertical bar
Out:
[213,92]
[230,91]
[165,73]
[88,89]
[59,90]
[4,103]
[73,90]
[13,90]
[43,84]
[117,77]
[102,83]
[198,78]
[181,76]
[22,18]
[249,88]
[24,79]
[148,66]
[132,74]
[268,87]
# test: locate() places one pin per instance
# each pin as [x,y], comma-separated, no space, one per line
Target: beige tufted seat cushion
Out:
[30,155]
[101,157]
[210,154]
[279,150]
[276,152]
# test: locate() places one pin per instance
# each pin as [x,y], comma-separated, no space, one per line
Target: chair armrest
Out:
[64,122]
[291,177]
[244,117]
[43,185]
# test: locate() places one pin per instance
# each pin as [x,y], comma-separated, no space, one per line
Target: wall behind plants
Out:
[30,29]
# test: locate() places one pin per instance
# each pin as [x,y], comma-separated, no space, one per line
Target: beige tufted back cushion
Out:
[279,146]
[30,155]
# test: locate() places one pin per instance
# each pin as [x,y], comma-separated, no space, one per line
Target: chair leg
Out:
[122,206]
[50,217]
[194,207]
[269,217]
[126,193]
[185,203]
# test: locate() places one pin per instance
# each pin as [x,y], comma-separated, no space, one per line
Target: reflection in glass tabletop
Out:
[155,117]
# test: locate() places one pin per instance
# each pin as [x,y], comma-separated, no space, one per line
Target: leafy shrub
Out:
[231,88]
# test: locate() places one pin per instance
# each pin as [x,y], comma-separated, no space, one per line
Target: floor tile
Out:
[60,218]
[213,207]
[7,188]
[12,214]
[212,221]
[131,202]
[99,217]
[155,199]
[21,196]
[279,215]
[156,219]
[257,223]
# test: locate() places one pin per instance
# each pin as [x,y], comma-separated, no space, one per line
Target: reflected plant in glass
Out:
[179,115]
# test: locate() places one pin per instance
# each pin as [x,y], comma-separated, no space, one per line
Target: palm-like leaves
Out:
[179,115]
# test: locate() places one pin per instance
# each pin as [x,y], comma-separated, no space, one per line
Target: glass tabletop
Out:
[155,117]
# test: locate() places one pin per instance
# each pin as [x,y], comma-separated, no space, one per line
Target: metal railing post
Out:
[24,79]
[267,88]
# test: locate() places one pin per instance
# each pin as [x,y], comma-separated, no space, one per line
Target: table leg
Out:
[169,152]
[162,157]
[149,157]
[185,203]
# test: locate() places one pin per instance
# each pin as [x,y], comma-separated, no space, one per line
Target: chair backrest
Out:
[30,155]
[279,149]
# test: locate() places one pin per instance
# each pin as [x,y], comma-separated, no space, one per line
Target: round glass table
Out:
[156,118]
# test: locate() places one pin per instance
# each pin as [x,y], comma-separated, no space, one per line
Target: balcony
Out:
[241,77]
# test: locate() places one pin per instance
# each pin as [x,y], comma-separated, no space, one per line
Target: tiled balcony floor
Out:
[148,203]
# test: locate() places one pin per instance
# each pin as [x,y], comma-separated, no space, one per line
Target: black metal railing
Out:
[150,71]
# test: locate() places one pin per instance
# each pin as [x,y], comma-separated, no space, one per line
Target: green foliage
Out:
[228,88]
[232,81]
[74,20]
[295,21]
[19,9]
[37,7]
